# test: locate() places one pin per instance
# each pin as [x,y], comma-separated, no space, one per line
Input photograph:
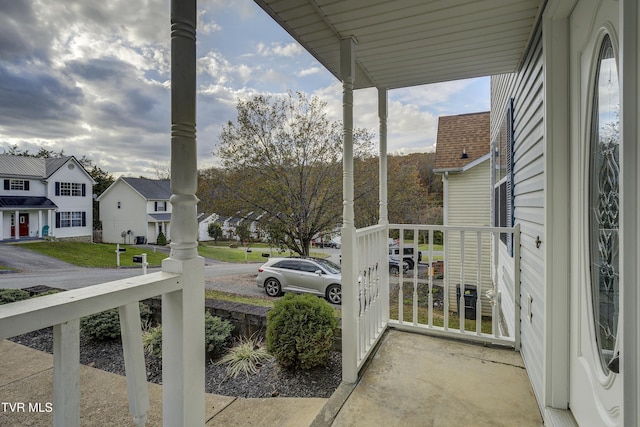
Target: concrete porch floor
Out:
[416,380]
[412,380]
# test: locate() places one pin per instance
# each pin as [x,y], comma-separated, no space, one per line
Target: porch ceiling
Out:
[404,43]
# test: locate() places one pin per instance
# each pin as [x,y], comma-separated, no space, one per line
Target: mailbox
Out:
[122,249]
[137,258]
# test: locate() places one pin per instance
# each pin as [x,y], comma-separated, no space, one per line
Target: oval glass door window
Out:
[604,203]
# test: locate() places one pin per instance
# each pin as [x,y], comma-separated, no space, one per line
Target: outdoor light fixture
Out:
[464,154]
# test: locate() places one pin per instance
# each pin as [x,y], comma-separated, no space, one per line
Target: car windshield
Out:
[331,267]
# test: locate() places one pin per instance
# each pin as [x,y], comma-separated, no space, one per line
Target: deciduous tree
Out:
[283,156]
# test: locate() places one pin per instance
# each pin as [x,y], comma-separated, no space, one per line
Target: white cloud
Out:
[309,71]
[279,49]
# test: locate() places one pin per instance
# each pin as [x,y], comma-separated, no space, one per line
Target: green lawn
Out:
[102,255]
[97,255]
[227,254]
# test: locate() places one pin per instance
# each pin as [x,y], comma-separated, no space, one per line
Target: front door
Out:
[23,225]
[596,257]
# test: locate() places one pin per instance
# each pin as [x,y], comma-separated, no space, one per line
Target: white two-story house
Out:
[135,210]
[45,198]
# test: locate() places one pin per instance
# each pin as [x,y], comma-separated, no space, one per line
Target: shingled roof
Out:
[468,133]
[150,189]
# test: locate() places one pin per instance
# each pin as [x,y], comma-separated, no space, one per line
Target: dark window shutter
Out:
[7,185]
[26,186]
[510,195]
[155,206]
[84,190]
[57,218]
[57,188]
[84,217]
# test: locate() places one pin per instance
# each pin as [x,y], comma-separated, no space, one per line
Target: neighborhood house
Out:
[464,161]
[135,210]
[45,198]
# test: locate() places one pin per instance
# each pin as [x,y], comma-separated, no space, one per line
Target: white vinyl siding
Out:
[469,204]
[526,87]
[130,215]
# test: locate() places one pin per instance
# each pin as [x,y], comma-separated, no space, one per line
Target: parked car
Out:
[408,256]
[303,275]
[394,266]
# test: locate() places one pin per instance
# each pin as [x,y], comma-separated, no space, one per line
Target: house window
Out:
[161,206]
[16,185]
[503,197]
[604,203]
[71,219]
[74,189]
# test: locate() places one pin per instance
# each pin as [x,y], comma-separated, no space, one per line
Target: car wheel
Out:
[334,294]
[410,262]
[272,287]
[394,270]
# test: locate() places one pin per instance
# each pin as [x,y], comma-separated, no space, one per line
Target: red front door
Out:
[23,225]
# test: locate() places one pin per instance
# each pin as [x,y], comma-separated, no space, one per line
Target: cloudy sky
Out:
[91,77]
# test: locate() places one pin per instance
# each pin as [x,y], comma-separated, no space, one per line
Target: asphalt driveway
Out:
[15,256]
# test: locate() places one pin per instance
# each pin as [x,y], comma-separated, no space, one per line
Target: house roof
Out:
[33,167]
[150,189]
[23,202]
[412,42]
[161,217]
[22,166]
[468,133]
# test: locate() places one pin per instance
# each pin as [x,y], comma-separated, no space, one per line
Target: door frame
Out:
[555,47]
[629,69]
[557,274]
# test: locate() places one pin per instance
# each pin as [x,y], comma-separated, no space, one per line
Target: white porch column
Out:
[39,230]
[51,222]
[383,114]
[183,361]
[16,225]
[349,267]
[1,225]
[629,208]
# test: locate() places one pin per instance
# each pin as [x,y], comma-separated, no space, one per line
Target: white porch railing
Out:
[471,268]
[64,310]
[469,289]
[372,303]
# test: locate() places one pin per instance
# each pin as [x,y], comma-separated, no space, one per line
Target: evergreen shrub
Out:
[300,331]
[13,295]
[105,326]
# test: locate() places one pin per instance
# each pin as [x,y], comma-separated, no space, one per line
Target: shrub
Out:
[49,292]
[152,340]
[300,331]
[105,326]
[217,333]
[162,240]
[245,357]
[13,295]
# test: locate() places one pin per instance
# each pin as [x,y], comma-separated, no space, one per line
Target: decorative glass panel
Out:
[605,203]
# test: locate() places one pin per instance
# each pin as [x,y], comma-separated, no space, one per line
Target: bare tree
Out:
[283,156]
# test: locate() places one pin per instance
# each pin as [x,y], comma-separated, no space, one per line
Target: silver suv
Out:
[302,275]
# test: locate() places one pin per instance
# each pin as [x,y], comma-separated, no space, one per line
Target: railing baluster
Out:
[495,309]
[66,374]
[430,271]
[446,280]
[479,285]
[134,362]
[461,302]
